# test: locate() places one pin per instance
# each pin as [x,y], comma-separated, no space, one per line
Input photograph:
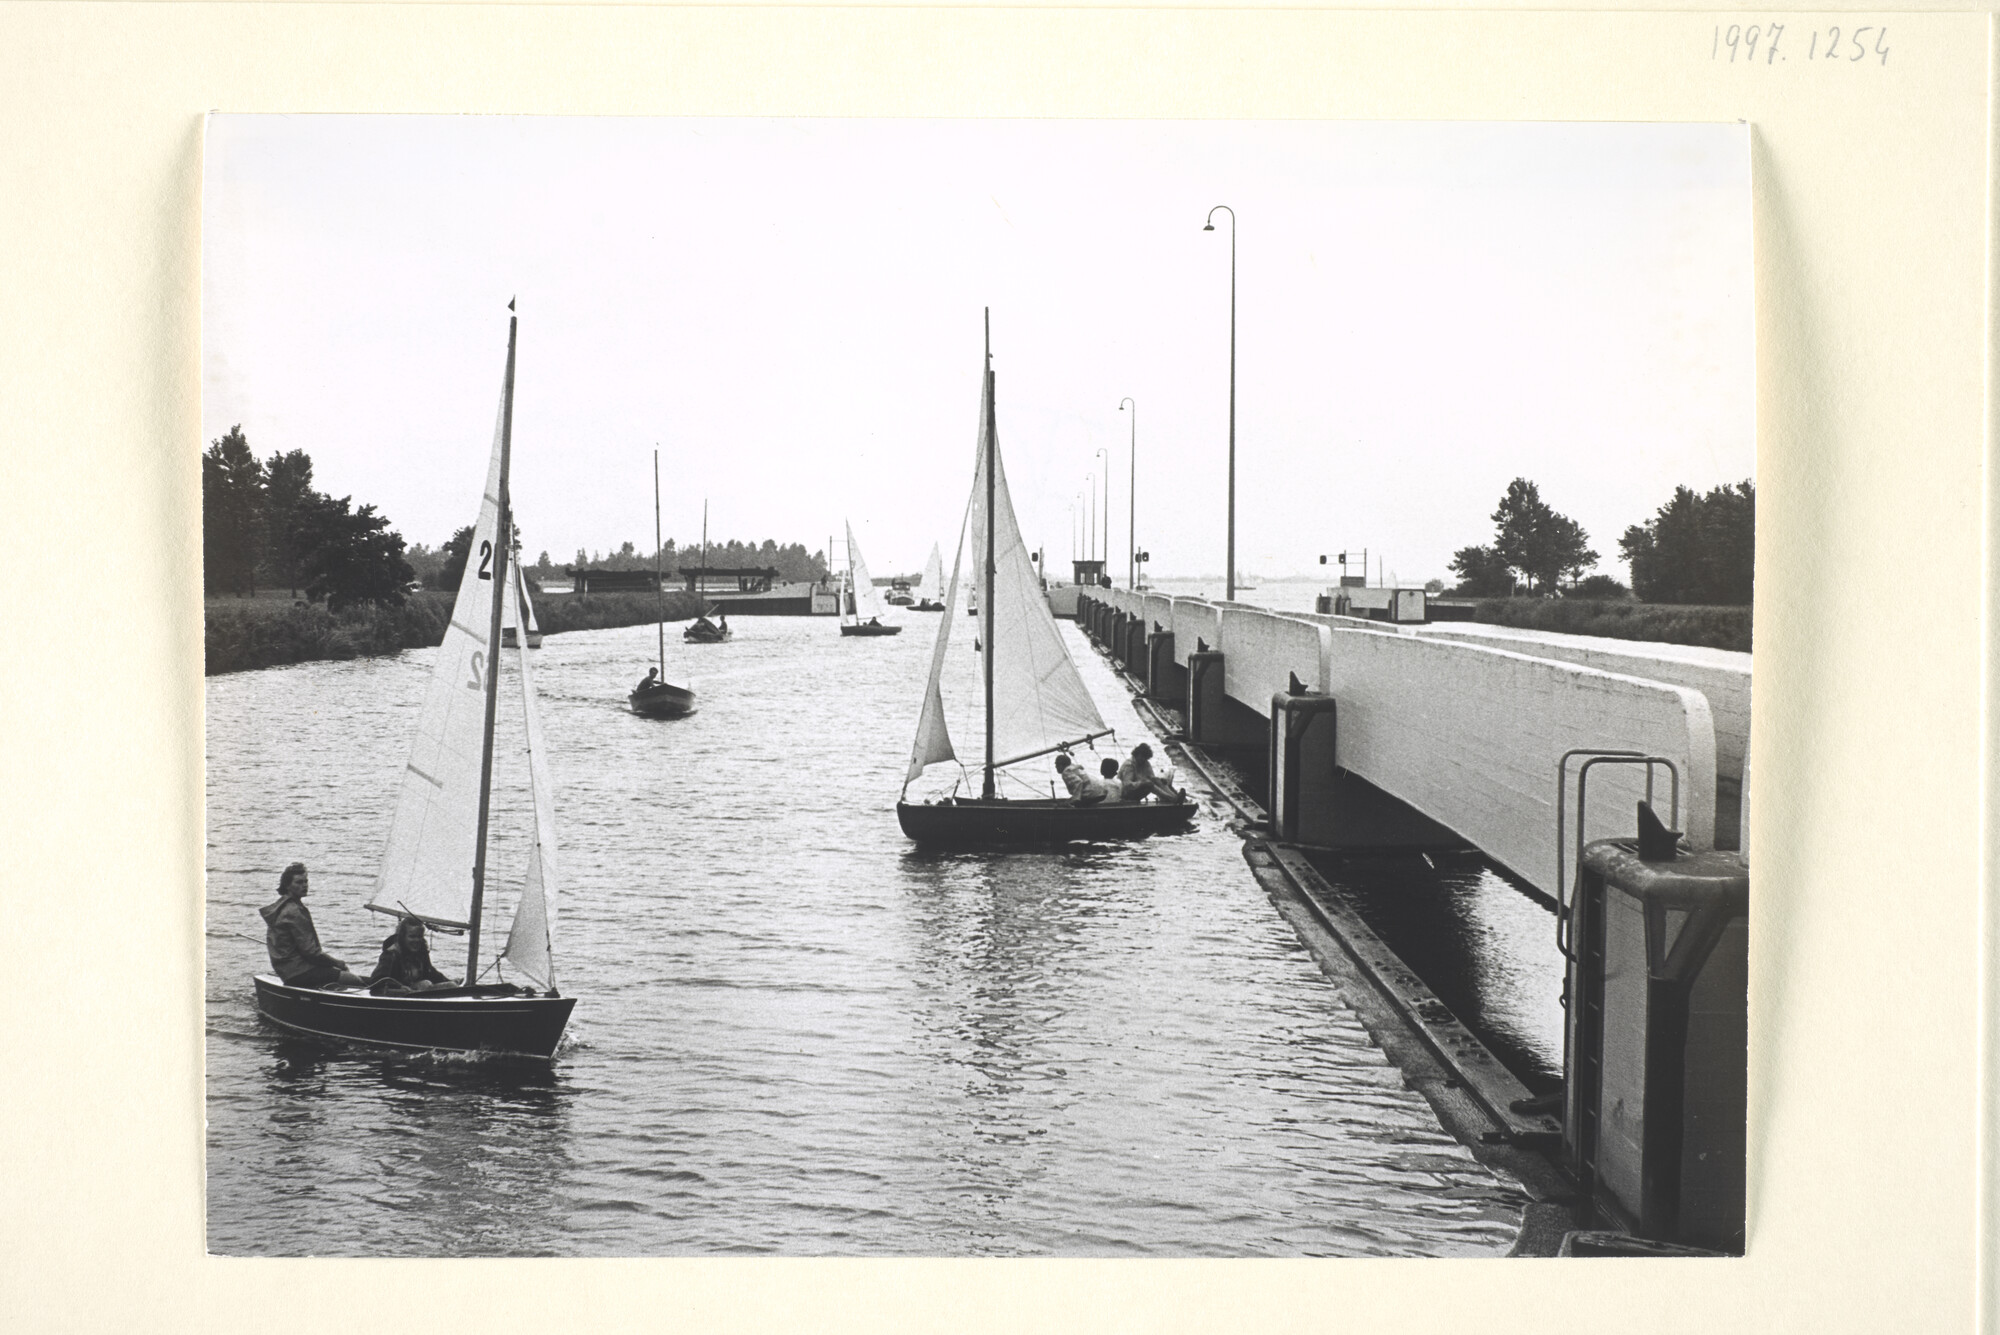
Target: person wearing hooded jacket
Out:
[406,965]
[293,942]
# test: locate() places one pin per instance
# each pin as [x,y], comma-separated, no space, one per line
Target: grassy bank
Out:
[1709,627]
[271,630]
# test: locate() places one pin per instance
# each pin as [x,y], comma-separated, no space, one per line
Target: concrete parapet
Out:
[1470,736]
[1719,674]
[1195,623]
[1265,651]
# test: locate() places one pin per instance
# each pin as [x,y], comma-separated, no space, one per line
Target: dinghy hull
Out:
[866,629]
[971,822]
[499,1019]
[663,701]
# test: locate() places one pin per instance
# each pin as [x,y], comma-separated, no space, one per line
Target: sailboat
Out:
[930,589]
[508,634]
[701,630]
[863,602]
[440,829]
[1035,701]
[656,697]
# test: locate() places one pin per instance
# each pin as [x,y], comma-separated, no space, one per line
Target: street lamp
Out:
[1210,227]
[1092,479]
[1132,499]
[1105,455]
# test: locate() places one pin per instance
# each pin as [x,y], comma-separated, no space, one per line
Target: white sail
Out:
[932,583]
[427,868]
[867,598]
[530,940]
[933,736]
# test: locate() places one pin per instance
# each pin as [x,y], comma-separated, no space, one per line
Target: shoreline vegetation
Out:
[273,630]
[1707,627]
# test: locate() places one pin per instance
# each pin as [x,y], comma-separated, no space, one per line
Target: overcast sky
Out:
[791,311]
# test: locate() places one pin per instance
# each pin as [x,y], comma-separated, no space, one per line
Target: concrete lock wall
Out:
[1470,736]
[1195,620]
[1726,684]
[1265,651]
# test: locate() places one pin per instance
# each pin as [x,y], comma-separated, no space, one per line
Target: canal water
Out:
[795,1034]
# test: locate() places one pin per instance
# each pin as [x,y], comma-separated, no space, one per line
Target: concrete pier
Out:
[1464,731]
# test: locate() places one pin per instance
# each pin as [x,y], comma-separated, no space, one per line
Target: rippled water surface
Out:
[795,1034]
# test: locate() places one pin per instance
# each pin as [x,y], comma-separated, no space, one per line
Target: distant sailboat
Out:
[440,830]
[1035,701]
[701,630]
[656,697]
[930,589]
[861,610]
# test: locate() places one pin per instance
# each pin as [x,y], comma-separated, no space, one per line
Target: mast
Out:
[499,577]
[985,584]
[659,579]
[701,580]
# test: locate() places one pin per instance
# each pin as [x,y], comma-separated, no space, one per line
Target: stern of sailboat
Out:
[496,1018]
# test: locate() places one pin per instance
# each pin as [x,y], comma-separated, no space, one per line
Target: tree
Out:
[287,490]
[1599,586]
[352,556]
[1481,573]
[452,573]
[232,515]
[1696,548]
[1545,547]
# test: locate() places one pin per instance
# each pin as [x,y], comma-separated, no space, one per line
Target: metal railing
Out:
[1597,756]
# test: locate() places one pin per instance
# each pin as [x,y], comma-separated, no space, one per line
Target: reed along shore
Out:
[272,629]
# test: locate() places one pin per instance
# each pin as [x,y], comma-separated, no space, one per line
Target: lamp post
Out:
[1132,498]
[1210,227]
[1092,479]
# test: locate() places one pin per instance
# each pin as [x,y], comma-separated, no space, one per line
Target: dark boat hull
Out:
[928,606]
[970,822]
[479,1019]
[865,629]
[693,636]
[663,701]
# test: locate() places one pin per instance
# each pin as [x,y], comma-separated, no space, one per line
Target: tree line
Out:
[1698,548]
[445,567]
[262,522]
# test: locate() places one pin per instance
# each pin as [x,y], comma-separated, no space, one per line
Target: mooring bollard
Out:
[1204,698]
[1166,680]
[1657,1039]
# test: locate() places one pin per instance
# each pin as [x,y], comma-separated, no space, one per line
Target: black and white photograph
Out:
[976,688]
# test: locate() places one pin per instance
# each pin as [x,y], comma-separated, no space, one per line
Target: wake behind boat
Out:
[1035,701]
[440,829]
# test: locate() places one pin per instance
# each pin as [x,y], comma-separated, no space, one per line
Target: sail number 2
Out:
[486,560]
[478,682]
[1855,44]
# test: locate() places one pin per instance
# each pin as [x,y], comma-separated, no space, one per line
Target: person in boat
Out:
[652,680]
[1107,770]
[406,965]
[1084,788]
[293,942]
[1136,778]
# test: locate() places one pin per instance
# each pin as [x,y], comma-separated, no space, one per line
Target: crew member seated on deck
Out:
[1136,778]
[293,942]
[1084,787]
[406,965]
[1107,770]
[652,680]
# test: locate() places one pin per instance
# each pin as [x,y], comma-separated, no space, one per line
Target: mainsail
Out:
[867,598]
[530,939]
[427,868]
[932,583]
[1038,702]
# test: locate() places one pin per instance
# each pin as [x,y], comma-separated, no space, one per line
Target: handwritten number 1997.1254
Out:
[1744,41]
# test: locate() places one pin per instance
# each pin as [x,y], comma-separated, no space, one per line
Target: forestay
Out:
[427,868]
